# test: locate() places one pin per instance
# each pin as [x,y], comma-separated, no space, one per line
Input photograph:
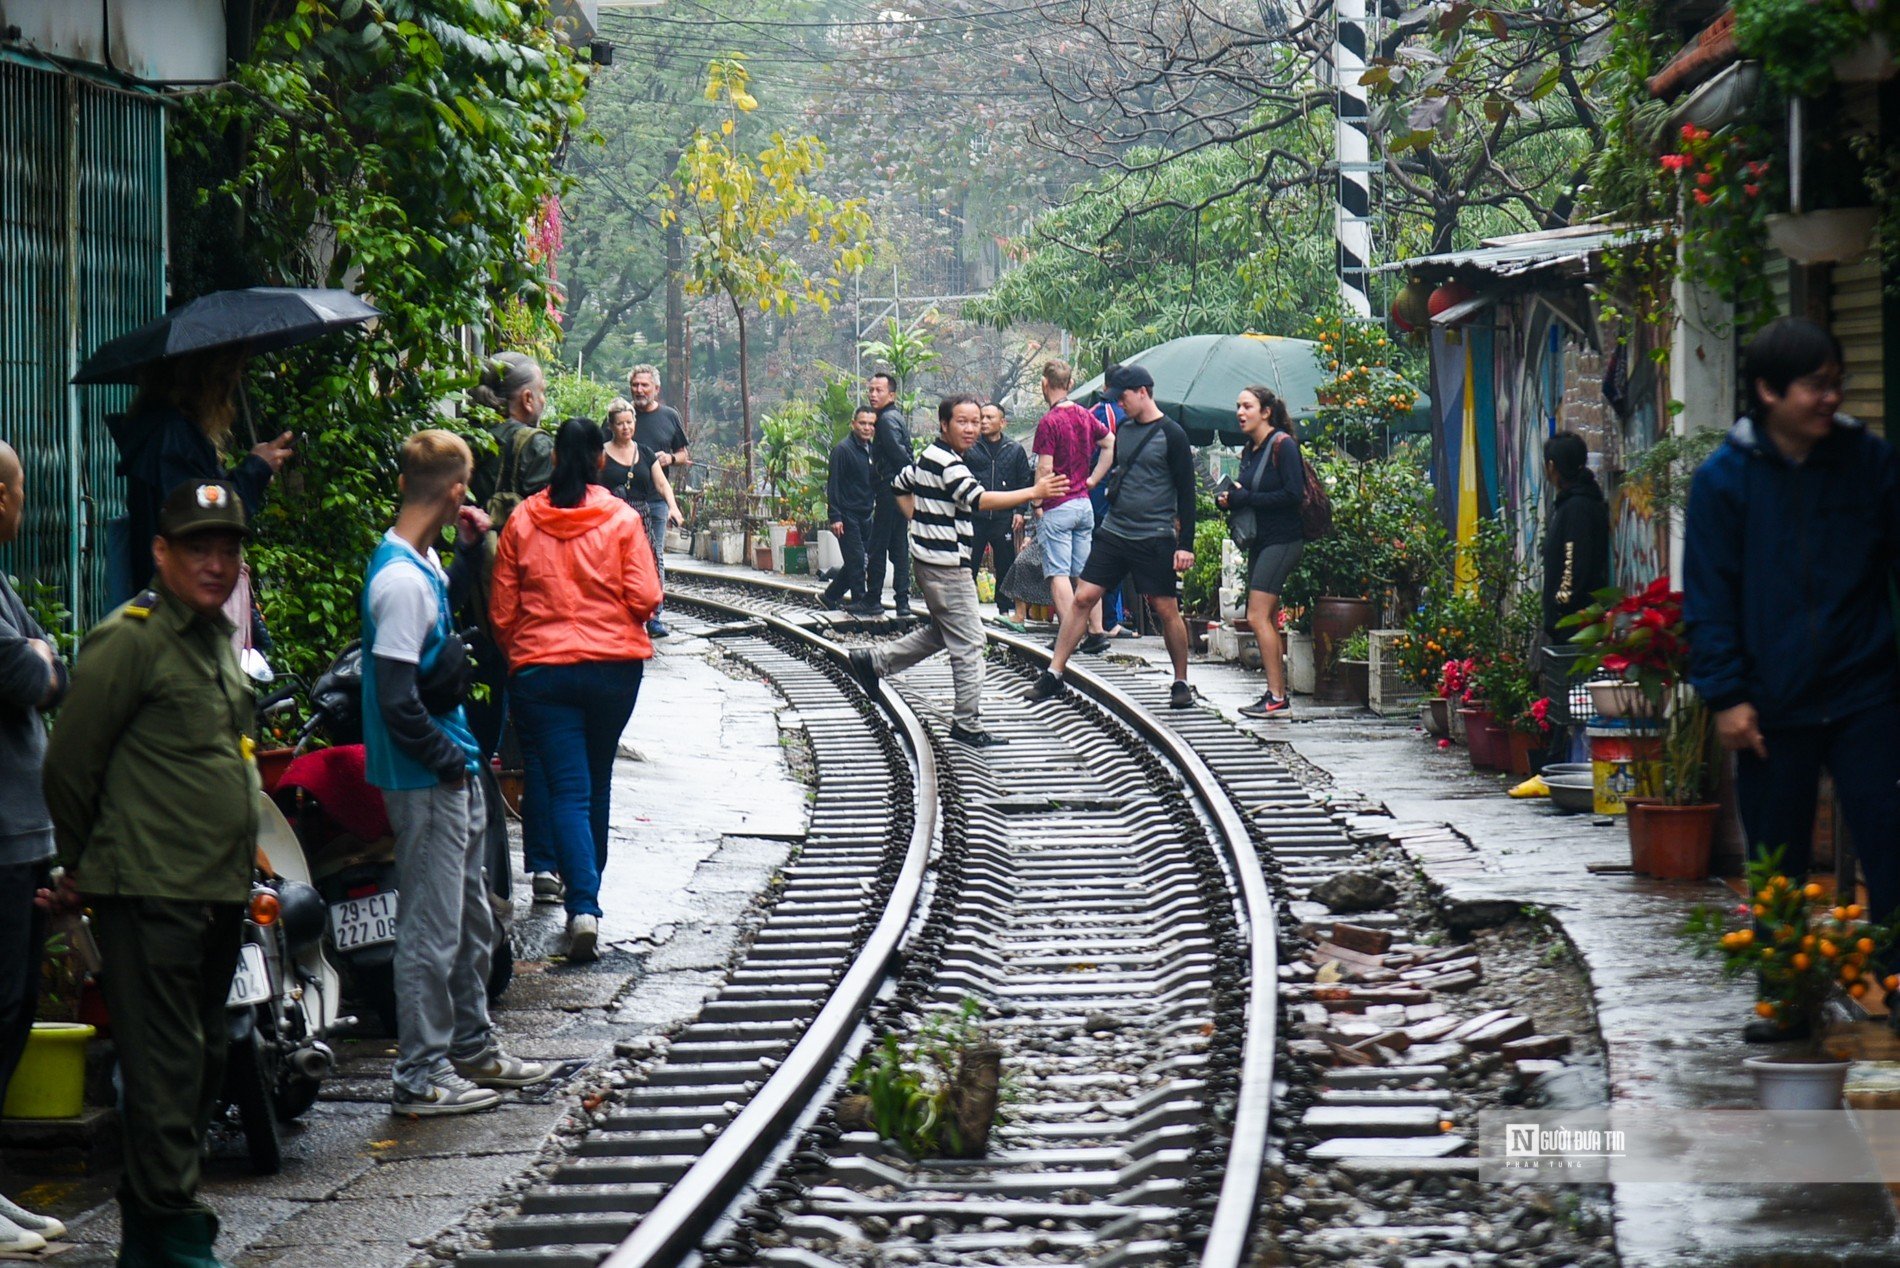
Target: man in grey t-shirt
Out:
[1148,533]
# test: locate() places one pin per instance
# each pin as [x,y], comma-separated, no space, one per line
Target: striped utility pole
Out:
[1352,212]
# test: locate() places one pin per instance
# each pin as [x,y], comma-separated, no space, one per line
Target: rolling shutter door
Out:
[82,259]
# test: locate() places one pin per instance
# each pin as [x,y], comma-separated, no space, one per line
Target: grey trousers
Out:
[955,626]
[444,930]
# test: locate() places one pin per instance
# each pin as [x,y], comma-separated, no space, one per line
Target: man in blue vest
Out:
[420,753]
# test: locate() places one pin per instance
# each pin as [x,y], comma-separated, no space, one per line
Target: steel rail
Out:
[1231,1227]
[674,1225]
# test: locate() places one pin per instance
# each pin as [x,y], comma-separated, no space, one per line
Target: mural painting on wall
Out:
[1639,530]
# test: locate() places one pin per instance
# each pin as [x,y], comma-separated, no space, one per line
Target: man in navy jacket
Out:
[1789,564]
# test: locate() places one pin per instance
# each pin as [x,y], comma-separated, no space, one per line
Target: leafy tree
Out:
[905,352]
[742,210]
[403,149]
[1134,260]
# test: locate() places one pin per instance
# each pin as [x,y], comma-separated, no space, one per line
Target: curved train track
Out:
[1094,885]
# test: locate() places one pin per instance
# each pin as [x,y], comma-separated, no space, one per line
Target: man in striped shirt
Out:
[939,494]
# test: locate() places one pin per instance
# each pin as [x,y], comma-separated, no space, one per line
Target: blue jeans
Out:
[570,719]
[654,518]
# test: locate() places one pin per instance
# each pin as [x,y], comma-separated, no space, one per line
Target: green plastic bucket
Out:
[51,1079]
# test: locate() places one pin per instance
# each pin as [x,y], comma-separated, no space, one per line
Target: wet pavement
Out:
[1670,1024]
[685,867]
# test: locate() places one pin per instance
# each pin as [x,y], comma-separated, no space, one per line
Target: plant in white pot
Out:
[1800,950]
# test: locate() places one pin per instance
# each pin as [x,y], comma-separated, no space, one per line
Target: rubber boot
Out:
[170,1241]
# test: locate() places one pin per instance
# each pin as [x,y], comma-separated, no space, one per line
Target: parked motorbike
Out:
[340,818]
[286,997]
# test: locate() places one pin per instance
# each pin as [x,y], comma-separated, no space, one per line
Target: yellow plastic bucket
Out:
[1624,761]
[51,1079]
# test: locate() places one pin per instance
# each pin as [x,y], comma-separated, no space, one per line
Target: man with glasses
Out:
[1789,568]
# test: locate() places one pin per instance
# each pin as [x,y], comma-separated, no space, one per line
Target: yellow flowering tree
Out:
[756,230]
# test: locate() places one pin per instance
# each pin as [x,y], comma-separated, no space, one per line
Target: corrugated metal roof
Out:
[1569,252]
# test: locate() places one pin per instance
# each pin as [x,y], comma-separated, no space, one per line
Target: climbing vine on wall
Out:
[405,151]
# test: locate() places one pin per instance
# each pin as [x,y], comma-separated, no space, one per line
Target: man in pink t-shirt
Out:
[1073,443]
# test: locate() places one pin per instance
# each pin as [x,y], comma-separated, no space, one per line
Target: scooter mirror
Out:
[255,667]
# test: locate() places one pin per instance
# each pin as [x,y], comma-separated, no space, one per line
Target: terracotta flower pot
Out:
[1678,839]
[1638,824]
[1335,620]
[1485,740]
[1524,748]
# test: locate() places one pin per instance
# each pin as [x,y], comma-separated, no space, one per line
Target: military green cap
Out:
[203,506]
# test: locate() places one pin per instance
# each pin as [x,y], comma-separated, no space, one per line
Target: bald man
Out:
[32,679]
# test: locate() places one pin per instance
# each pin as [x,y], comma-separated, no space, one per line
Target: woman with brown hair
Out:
[1264,513]
[179,429]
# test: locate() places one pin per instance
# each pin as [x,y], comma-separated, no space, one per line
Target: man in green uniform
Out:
[153,795]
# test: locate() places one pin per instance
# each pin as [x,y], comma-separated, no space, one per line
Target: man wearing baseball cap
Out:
[1148,533]
[153,793]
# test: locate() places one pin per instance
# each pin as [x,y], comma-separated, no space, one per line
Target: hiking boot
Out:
[1047,687]
[448,1093]
[1094,644]
[497,1069]
[1181,696]
[864,669]
[45,1225]
[583,939]
[548,888]
[975,736]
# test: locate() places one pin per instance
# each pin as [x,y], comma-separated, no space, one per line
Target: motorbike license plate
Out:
[251,983]
[364,922]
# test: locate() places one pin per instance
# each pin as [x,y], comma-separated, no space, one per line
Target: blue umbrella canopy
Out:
[1197,378]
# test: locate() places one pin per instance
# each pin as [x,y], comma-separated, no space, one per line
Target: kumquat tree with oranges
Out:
[1800,948]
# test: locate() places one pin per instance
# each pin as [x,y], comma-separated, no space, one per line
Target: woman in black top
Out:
[635,474]
[1272,479]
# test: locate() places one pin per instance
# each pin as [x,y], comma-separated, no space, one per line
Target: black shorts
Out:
[1149,561]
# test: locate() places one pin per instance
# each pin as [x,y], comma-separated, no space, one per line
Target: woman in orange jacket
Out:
[573,587]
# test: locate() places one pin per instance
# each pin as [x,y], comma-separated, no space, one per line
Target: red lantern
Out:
[1449,295]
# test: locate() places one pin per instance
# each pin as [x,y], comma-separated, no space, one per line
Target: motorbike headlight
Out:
[301,910]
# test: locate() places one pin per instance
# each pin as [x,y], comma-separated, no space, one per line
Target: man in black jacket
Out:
[1577,538]
[891,453]
[850,501]
[999,464]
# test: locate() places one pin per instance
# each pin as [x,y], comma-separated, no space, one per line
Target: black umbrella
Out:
[261,318]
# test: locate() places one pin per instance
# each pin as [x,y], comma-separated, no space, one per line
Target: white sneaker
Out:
[583,936]
[497,1069]
[45,1225]
[548,888]
[448,1093]
[15,1240]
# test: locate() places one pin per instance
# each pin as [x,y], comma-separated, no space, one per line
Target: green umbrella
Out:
[1197,378]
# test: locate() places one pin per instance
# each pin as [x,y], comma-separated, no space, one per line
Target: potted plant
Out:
[1800,949]
[1502,684]
[1355,667]
[51,1078]
[1672,828]
[1301,674]
[1637,642]
[1529,734]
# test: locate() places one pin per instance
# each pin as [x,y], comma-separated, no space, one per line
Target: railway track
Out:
[1096,886]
